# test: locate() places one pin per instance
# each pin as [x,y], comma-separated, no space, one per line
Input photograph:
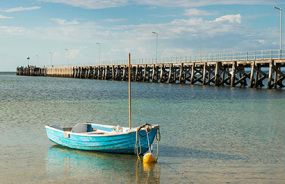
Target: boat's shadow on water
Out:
[180,152]
[65,162]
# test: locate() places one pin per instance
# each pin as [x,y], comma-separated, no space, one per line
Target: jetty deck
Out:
[245,70]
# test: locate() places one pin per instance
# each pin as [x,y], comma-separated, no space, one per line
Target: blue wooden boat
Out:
[104,138]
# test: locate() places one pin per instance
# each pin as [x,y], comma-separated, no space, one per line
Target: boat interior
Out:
[93,128]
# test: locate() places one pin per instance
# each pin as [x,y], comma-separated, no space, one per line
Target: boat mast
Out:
[130,103]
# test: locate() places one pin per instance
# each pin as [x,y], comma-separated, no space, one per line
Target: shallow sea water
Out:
[209,134]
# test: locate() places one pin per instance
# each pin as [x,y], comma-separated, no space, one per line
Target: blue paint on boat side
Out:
[117,143]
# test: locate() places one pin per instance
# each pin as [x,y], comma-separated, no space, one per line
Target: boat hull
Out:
[117,143]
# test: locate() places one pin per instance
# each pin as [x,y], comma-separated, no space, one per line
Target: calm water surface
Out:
[209,135]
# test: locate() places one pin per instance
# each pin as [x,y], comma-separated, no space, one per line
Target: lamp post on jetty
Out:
[280,28]
[156,45]
[50,58]
[99,50]
[66,55]
[28,61]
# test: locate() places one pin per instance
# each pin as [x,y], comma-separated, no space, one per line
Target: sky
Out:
[66,32]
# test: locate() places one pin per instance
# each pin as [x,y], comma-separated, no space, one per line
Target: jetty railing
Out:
[226,56]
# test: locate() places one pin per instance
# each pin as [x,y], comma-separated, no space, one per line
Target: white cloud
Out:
[196,12]
[142,50]
[21,9]
[261,42]
[73,53]
[177,52]
[183,29]
[229,18]
[199,3]
[56,55]
[5,17]
[10,30]
[64,23]
[113,20]
[92,4]
[99,4]
[177,37]
[152,8]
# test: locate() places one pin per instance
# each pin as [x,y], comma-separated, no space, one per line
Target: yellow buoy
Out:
[148,158]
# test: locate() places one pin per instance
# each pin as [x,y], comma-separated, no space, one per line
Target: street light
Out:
[66,55]
[280,28]
[50,58]
[156,45]
[99,50]
[28,61]
[38,60]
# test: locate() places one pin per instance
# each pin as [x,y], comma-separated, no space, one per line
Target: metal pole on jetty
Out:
[28,61]
[156,46]
[280,9]
[130,103]
[99,50]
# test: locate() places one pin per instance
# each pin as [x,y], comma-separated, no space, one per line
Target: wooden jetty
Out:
[251,71]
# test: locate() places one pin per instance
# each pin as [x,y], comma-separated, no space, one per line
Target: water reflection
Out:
[71,165]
